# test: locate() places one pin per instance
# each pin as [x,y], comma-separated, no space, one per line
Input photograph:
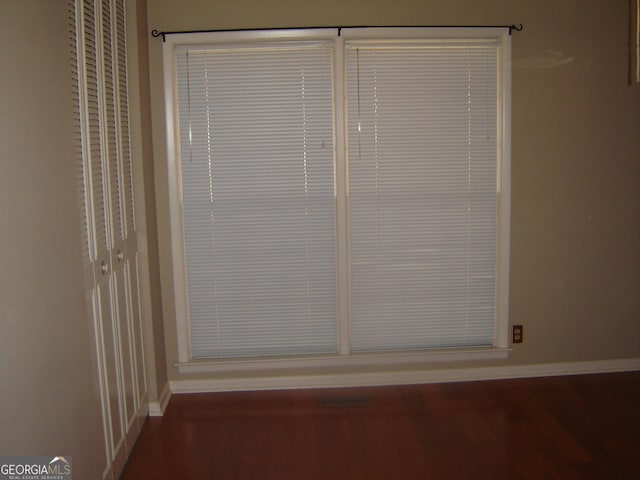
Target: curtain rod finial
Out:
[155,34]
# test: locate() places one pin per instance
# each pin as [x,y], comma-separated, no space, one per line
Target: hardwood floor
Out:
[574,427]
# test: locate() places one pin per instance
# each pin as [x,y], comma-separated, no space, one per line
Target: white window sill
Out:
[352,361]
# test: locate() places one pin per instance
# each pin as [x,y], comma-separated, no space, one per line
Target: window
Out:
[339,192]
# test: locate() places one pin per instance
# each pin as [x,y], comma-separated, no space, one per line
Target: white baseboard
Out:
[402,377]
[157,409]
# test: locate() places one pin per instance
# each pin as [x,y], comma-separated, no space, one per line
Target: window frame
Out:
[344,357]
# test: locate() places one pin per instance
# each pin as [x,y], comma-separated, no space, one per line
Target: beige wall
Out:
[575,264]
[150,204]
[144,174]
[49,402]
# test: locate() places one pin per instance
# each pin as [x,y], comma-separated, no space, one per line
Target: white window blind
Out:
[422,150]
[257,164]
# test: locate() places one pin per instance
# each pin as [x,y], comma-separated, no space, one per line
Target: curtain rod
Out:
[156,33]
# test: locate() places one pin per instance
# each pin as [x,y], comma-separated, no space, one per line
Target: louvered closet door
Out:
[98,223]
[128,219]
[122,224]
[111,252]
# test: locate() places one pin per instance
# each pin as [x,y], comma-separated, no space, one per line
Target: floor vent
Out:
[343,401]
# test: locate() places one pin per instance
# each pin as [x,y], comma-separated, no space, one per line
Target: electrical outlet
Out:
[517,334]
